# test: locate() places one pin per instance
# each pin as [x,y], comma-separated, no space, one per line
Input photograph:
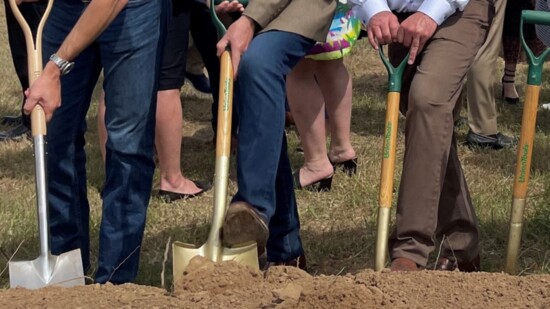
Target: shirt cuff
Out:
[438,10]
[370,8]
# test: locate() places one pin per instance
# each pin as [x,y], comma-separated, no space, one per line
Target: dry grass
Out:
[338,227]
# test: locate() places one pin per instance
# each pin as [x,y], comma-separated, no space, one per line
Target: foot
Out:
[15,133]
[403,264]
[185,189]
[313,173]
[509,91]
[244,224]
[200,82]
[451,264]
[344,160]
[299,262]
[495,141]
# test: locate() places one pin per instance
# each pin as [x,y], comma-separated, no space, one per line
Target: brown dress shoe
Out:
[403,264]
[299,262]
[447,264]
[243,224]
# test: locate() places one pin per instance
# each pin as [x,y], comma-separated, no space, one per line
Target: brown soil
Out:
[229,285]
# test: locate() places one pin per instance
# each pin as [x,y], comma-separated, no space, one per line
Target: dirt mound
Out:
[229,285]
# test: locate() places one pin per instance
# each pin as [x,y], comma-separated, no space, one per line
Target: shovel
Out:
[395,75]
[525,146]
[213,249]
[66,269]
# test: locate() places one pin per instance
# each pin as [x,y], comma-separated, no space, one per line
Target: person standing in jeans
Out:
[123,38]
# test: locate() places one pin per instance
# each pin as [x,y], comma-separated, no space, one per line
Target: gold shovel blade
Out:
[182,253]
[63,270]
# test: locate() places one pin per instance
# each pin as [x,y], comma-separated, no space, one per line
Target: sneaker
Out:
[545,106]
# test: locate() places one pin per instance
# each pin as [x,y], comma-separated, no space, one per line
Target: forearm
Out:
[95,19]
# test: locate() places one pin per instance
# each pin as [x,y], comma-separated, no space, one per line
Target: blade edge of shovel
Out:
[66,272]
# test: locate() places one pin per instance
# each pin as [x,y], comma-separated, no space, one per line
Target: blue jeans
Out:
[264,173]
[128,51]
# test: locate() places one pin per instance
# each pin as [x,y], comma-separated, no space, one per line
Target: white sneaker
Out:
[545,106]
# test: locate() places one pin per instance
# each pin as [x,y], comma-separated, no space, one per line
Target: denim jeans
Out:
[128,51]
[264,174]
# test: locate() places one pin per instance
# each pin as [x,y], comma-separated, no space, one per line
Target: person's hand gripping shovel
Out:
[61,270]
[525,146]
[213,249]
[395,75]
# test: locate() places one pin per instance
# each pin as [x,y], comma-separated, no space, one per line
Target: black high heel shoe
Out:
[322,185]
[509,78]
[349,167]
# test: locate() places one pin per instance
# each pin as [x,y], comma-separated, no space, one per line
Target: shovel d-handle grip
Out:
[536,63]
[521,179]
[395,74]
[220,28]
[535,17]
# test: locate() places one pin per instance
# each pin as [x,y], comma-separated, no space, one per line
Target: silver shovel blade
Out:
[63,270]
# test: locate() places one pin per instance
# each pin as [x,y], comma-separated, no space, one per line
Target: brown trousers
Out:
[434,202]
[482,110]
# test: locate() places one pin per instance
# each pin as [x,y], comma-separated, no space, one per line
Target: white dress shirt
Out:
[438,10]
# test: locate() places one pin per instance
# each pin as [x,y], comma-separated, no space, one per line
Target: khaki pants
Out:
[434,201]
[482,113]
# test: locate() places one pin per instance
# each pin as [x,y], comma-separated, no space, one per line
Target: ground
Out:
[230,285]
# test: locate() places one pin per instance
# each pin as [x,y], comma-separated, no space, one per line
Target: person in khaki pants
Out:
[434,204]
[482,113]
[264,208]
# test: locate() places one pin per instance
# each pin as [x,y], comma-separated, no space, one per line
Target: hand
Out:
[238,37]
[46,91]
[227,7]
[414,32]
[382,29]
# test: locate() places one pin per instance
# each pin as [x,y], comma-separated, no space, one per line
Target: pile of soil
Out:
[230,285]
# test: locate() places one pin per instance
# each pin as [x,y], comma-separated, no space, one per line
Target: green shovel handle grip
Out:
[395,74]
[534,76]
[220,28]
[536,17]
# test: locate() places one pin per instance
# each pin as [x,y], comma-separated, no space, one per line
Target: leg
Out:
[130,100]
[67,199]
[336,85]
[262,173]
[457,223]
[429,130]
[309,117]
[482,114]
[205,39]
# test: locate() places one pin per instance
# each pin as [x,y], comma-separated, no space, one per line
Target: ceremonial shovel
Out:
[66,269]
[525,147]
[395,75]
[213,249]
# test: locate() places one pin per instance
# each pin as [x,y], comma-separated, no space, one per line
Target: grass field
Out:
[338,227]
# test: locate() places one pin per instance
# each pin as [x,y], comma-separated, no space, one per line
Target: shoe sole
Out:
[242,224]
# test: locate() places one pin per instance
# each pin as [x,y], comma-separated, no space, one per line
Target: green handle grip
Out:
[243,2]
[395,74]
[535,17]
[534,77]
